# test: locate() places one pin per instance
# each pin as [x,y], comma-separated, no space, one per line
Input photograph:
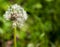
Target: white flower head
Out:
[16,14]
[30,45]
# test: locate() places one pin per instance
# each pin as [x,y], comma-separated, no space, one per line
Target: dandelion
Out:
[17,15]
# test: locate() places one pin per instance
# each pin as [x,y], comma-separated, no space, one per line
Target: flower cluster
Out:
[16,14]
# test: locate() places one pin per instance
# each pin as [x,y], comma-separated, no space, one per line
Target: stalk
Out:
[14,36]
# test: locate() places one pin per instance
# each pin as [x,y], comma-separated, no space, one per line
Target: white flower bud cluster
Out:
[16,14]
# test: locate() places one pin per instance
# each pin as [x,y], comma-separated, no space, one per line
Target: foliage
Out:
[42,26]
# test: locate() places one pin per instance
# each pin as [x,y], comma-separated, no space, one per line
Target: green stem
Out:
[15,37]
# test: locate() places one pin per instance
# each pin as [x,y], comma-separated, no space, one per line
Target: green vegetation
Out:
[42,28]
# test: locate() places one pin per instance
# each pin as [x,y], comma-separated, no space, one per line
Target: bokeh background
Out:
[42,28]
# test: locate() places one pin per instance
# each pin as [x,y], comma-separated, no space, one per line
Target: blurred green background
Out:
[42,28]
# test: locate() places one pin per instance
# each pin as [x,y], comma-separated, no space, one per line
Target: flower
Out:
[16,14]
[30,45]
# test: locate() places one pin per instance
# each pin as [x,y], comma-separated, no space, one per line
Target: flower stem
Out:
[14,36]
